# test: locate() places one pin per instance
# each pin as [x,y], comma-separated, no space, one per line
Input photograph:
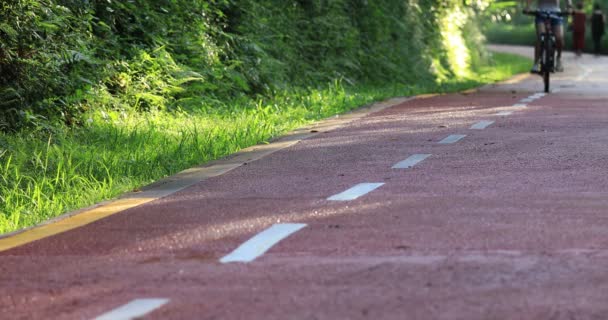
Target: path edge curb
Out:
[188,177]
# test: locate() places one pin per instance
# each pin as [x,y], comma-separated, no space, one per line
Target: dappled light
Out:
[454,41]
[309,159]
[116,95]
[198,235]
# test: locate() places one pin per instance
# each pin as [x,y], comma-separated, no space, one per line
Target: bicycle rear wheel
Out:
[548,59]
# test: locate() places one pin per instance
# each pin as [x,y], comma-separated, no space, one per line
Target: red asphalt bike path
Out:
[508,223]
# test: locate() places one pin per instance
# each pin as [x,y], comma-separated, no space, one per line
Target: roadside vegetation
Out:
[504,23]
[105,97]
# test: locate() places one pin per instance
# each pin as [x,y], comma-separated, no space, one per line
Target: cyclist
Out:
[558,30]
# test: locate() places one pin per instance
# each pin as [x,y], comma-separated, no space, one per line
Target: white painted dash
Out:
[453,138]
[262,242]
[134,309]
[355,192]
[411,161]
[583,76]
[586,72]
[539,95]
[520,105]
[482,125]
[504,113]
[527,100]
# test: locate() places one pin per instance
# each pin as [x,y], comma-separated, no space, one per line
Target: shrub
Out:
[59,58]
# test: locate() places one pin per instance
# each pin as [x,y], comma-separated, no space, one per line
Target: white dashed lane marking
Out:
[355,192]
[586,72]
[504,113]
[482,125]
[262,242]
[411,161]
[532,98]
[452,138]
[520,105]
[584,76]
[134,309]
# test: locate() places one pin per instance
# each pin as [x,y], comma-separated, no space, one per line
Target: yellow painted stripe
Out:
[427,95]
[516,78]
[69,223]
[185,178]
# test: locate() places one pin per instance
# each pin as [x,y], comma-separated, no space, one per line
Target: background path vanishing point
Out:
[380,219]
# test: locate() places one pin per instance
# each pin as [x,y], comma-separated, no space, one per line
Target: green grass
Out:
[502,66]
[51,171]
[510,33]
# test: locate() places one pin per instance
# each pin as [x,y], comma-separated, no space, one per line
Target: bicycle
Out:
[547,43]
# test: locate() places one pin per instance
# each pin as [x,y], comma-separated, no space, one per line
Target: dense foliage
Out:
[62,58]
[99,97]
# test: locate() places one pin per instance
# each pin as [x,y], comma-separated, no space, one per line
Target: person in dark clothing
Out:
[578,29]
[597,27]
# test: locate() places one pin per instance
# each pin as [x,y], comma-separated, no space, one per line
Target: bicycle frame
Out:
[547,43]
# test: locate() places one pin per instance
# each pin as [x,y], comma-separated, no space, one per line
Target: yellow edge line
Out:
[181,180]
[428,95]
[69,223]
[516,79]
[185,178]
